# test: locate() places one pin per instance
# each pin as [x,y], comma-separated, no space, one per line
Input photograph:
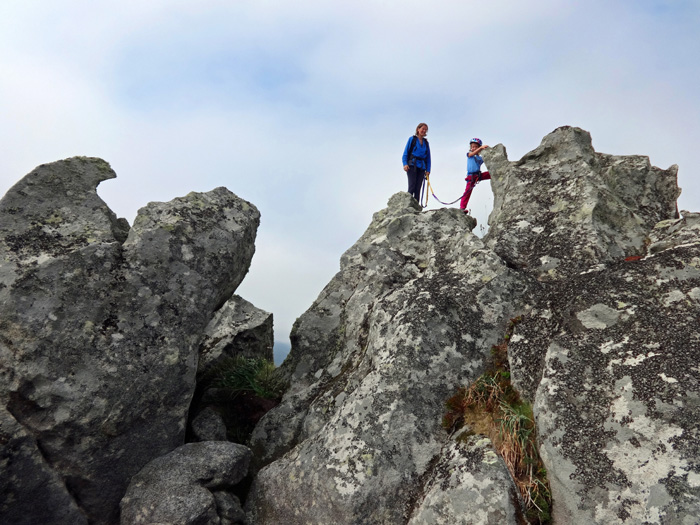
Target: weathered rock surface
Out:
[610,358]
[589,247]
[413,313]
[100,327]
[99,334]
[237,328]
[470,485]
[208,425]
[563,207]
[189,486]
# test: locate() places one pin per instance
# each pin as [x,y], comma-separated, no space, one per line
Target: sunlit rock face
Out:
[99,331]
[412,314]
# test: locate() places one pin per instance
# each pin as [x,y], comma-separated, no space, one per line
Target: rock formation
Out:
[610,357]
[412,314]
[190,485]
[100,326]
[563,208]
[237,328]
[588,248]
[608,352]
[99,332]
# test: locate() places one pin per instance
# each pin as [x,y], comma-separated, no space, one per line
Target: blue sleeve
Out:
[404,159]
[427,157]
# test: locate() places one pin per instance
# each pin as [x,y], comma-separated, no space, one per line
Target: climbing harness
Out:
[410,156]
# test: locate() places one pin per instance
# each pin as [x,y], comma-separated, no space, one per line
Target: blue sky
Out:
[303,108]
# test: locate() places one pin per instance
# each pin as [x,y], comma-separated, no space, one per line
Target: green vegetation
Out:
[242,390]
[236,375]
[492,407]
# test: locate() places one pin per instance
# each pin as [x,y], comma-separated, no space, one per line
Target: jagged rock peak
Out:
[99,335]
[357,437]
[588,250]
[563,207]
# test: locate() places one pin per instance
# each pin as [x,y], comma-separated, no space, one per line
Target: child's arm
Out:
[477,151]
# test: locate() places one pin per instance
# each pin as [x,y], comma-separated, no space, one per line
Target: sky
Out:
[304,108]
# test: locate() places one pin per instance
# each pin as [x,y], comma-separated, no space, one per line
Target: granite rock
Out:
[412,314]
[564,207]
[189,486]
[99,334]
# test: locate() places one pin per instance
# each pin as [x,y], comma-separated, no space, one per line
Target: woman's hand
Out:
[405,168]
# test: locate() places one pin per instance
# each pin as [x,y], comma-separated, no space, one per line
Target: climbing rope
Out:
[430,187]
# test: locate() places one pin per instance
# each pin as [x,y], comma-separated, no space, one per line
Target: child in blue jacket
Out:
[474,175]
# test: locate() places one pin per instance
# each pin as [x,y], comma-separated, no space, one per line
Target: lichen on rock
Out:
[99,333]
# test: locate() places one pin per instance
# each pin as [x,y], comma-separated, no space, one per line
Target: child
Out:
[474,175]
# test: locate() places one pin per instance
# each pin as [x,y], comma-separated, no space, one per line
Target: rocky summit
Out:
[588,278]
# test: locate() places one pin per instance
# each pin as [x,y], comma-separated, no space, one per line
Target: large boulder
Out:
[610,358]
[563,207]
[99,333]
[590,248]
[191,485]
[238,328]
[607,352]
[412,314]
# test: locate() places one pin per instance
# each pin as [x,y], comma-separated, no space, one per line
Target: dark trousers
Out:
[415,181]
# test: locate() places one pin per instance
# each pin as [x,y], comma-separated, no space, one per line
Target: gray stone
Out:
[208,425]
[28,477]
[469,484]
[675,232]
[610,357]
[411,315]
[100,327]
[607,350]
[99,339]
[237,328]
[188,486]
[229,509]
[563,208]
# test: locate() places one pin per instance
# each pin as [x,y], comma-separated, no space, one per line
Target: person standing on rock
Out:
[416,160]
[474,174]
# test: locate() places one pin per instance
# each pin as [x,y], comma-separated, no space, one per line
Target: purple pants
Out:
[472,180]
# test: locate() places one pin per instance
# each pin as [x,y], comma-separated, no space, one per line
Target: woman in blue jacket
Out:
[416,160]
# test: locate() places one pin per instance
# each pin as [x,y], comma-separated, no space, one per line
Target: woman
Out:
[416,160]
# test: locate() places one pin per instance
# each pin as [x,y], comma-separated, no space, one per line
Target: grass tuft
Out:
[492,407]
[239,374]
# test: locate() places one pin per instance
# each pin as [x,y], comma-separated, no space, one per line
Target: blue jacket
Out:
[474,163]
[421,154]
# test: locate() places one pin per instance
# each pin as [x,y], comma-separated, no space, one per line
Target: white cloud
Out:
[304,108]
